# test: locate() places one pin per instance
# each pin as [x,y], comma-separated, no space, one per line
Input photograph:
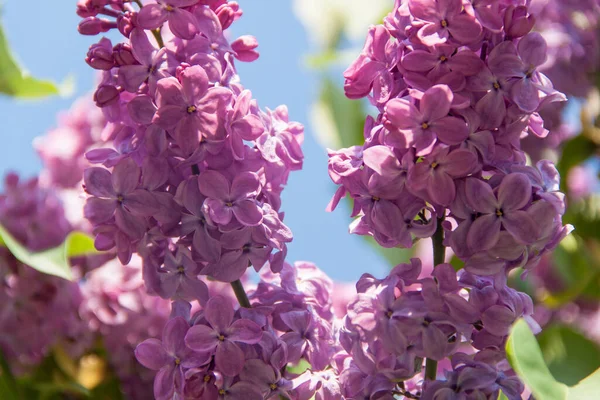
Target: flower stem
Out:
[439,250]
[439,256]
[430,369]
[156,33]
[240,294]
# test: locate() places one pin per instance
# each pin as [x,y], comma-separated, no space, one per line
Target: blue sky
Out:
[46,41]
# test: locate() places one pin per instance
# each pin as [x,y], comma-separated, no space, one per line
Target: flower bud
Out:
[106,95]
[123,55]
[228,13]
[126,22]
[244,47]
[93,26]
[517,21]
[100,55]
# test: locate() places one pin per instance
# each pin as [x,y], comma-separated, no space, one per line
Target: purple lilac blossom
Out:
[464,84]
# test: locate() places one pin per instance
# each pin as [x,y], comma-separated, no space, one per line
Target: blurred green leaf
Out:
[394,255]
[338,121]
[576,270]
[109,389]
[570,356]
[53,261]
[51,388]
[9,387]
[502,396]
[584,215]
[14,81]
[525,356]
[574,152]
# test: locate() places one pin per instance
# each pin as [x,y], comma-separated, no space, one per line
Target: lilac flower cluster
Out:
[34,216]
[62,148]
[223,353]
[446,143]
[118,309]
[397,322]
[457,85]
[571,30]
[193,179]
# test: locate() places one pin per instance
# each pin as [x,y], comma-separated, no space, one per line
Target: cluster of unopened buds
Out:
[191,170]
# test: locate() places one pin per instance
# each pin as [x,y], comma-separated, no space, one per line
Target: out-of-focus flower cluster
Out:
[457,86]
[35,217]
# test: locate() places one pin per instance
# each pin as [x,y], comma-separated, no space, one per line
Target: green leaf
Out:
[53,261]
[570,356]
[394,255]
[576,270]
[299,368]
[79,244]
[502,396]
[338,121]
[574,152]
[525,356]
[14,81]
[9,388]
[457,263]
[109,389]
[50,388]
[587,388]
[584,215]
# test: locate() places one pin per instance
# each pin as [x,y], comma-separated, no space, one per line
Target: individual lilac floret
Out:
[503,209]
[191,108]
[181,21]
[226,200]
[179,278]
[445,21]
[117,195]
[169,357]
[148,66]
[429,121]
[221,335]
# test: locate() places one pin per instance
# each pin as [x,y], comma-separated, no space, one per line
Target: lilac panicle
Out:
[175,108]
[457,86]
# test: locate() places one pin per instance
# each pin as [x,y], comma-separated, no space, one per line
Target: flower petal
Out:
[98,182]
[245,185]
[479,196]
[521,226]
[151,16]
[229,358]
[173,336]
[219,313]
[201,338]
[484,233]
[183,24]
[214,185]
[435,103]
[126,176]
[244,331]
[150,354]
[248,212]
[514,192]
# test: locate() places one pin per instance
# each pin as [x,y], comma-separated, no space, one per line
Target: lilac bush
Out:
[182,174]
